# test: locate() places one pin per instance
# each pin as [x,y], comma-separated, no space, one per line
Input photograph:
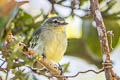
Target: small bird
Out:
[50,39]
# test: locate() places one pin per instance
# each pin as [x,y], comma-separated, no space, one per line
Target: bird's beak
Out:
[65,23]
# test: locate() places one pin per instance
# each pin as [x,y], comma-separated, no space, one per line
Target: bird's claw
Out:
[43,55]
[60,68]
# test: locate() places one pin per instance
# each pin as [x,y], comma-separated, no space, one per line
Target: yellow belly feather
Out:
[52,45]
[55,47]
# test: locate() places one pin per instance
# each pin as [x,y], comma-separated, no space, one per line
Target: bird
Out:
[50,40]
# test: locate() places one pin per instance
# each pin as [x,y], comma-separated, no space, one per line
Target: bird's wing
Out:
[35,38]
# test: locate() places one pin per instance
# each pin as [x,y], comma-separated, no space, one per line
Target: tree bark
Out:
[107,64]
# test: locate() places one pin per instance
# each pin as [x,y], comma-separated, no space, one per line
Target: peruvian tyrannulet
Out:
[50,39]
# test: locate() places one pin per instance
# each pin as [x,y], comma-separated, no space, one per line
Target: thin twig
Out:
[39,72]
[61,76]
[79,73]
[111,35]
[2,69]
[1,78]
[6,78]
[2,63]
[110,4]
[2,60]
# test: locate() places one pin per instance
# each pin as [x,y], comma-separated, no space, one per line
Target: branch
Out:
[110,75]
[60,76]
[79,73]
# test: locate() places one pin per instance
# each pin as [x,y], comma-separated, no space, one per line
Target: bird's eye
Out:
[55,21]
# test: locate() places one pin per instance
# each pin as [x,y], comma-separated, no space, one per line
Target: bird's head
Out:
[55,23]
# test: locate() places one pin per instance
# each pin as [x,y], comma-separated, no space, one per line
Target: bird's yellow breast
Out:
[54,45]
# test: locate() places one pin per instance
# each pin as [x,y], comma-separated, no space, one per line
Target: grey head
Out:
[52,23]
[55,21]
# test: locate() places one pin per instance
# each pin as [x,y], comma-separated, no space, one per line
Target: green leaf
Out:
[15,65]
[27,77]
[65,67]
[2,22]
[34,77]
[19,75]
[82,2]
[10,63]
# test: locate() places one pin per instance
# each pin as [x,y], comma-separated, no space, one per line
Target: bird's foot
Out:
[60,68]
[43,55]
